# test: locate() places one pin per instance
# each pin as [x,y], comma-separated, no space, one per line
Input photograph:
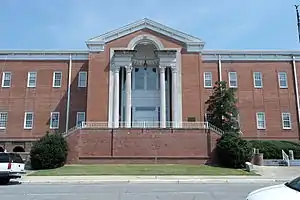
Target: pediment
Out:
[193,44]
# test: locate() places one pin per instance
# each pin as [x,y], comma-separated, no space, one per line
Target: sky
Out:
[221,24]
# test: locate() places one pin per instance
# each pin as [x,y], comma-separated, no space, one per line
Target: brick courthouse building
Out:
[139,92]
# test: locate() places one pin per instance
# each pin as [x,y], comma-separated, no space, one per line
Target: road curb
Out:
[162,181]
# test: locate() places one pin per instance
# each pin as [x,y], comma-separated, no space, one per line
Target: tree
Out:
[49,152]
[233,151]
[222,111]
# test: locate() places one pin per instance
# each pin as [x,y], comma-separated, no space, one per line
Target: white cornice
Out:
[252,55]
[193,44]
[43,55]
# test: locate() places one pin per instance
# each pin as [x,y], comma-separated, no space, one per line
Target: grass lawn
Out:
[135,169]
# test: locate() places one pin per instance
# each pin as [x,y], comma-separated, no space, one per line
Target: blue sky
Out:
[222,24]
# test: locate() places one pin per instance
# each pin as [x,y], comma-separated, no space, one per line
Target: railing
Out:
[285,157]
[153,124]
[70,131]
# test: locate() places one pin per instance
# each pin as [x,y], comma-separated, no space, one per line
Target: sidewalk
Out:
[151,179]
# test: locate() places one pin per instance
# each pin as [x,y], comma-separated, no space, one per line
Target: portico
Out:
[145,87]
[145,83]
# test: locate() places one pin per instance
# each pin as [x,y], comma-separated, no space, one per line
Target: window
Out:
[260,120]
[31,79]
[57,76]
[28,120]
[82,79]
[80,118]
[286,120]
[282,79]
[207,79]
[54,120]
[232,76]
[6,79]
[257,79]
[3,120]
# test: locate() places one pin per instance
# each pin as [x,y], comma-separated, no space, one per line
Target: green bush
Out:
[49,152]
[233,151]
[272,148]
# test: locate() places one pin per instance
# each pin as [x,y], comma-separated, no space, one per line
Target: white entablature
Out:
[193,44]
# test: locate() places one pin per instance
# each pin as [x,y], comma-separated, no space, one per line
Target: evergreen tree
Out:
[222,111]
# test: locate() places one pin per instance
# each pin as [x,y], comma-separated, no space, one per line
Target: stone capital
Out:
[115,68]
[174,68]
[162,68]
[128,68]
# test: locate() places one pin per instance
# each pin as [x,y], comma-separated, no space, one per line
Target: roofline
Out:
[208,52]
[207,55]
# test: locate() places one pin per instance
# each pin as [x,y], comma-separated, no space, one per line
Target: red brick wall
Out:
[41,100]
[106,146]
[270,99]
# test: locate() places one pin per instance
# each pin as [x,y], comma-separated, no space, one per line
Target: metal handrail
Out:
[285,157]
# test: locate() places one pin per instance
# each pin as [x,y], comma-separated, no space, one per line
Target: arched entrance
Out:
[143,85]
[18,149]
[1,149]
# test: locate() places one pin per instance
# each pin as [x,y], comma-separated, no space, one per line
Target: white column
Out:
[162,97]
[116,96]
[174,97]
[128,96]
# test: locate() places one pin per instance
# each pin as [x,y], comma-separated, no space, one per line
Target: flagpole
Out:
[298,21]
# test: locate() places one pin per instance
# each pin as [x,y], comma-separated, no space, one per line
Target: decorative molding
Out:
[147,39]
[193,44]
[227,55]
[142,61]
[43,55]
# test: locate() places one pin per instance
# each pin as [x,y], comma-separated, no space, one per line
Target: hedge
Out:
[272,148]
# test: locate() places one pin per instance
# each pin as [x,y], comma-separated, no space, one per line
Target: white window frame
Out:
[26,119]
[236,79]
[3,77]
[4,113]
[257,78]
[51,125]
[290,120]
[80,74]
[60,81]
[286,80]
[29,75]
[257,121]
[209,74]
[77,117]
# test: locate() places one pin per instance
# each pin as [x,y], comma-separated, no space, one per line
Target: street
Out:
[129,191]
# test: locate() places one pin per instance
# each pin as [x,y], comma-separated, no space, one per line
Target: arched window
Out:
[18,149]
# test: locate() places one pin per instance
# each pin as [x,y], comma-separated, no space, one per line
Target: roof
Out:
[98,43]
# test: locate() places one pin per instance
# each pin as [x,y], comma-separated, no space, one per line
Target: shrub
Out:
[49,152]
[272,148]
[233,151]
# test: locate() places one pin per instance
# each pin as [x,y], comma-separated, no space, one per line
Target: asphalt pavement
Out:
[129,191]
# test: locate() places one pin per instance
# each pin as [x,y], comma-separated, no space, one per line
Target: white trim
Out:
[290,120]
[286,80]
[82,73]
[2,127]
[254,80]
[193,44]
[179,85]
[110,91]
[25,119]
[28,79]
[257,119]
[236,79]
[220,67]
[295,76]
[145,38]
[3,75]
[68,94]
[51,126]
[204,80]
[77,117]
[53,79]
